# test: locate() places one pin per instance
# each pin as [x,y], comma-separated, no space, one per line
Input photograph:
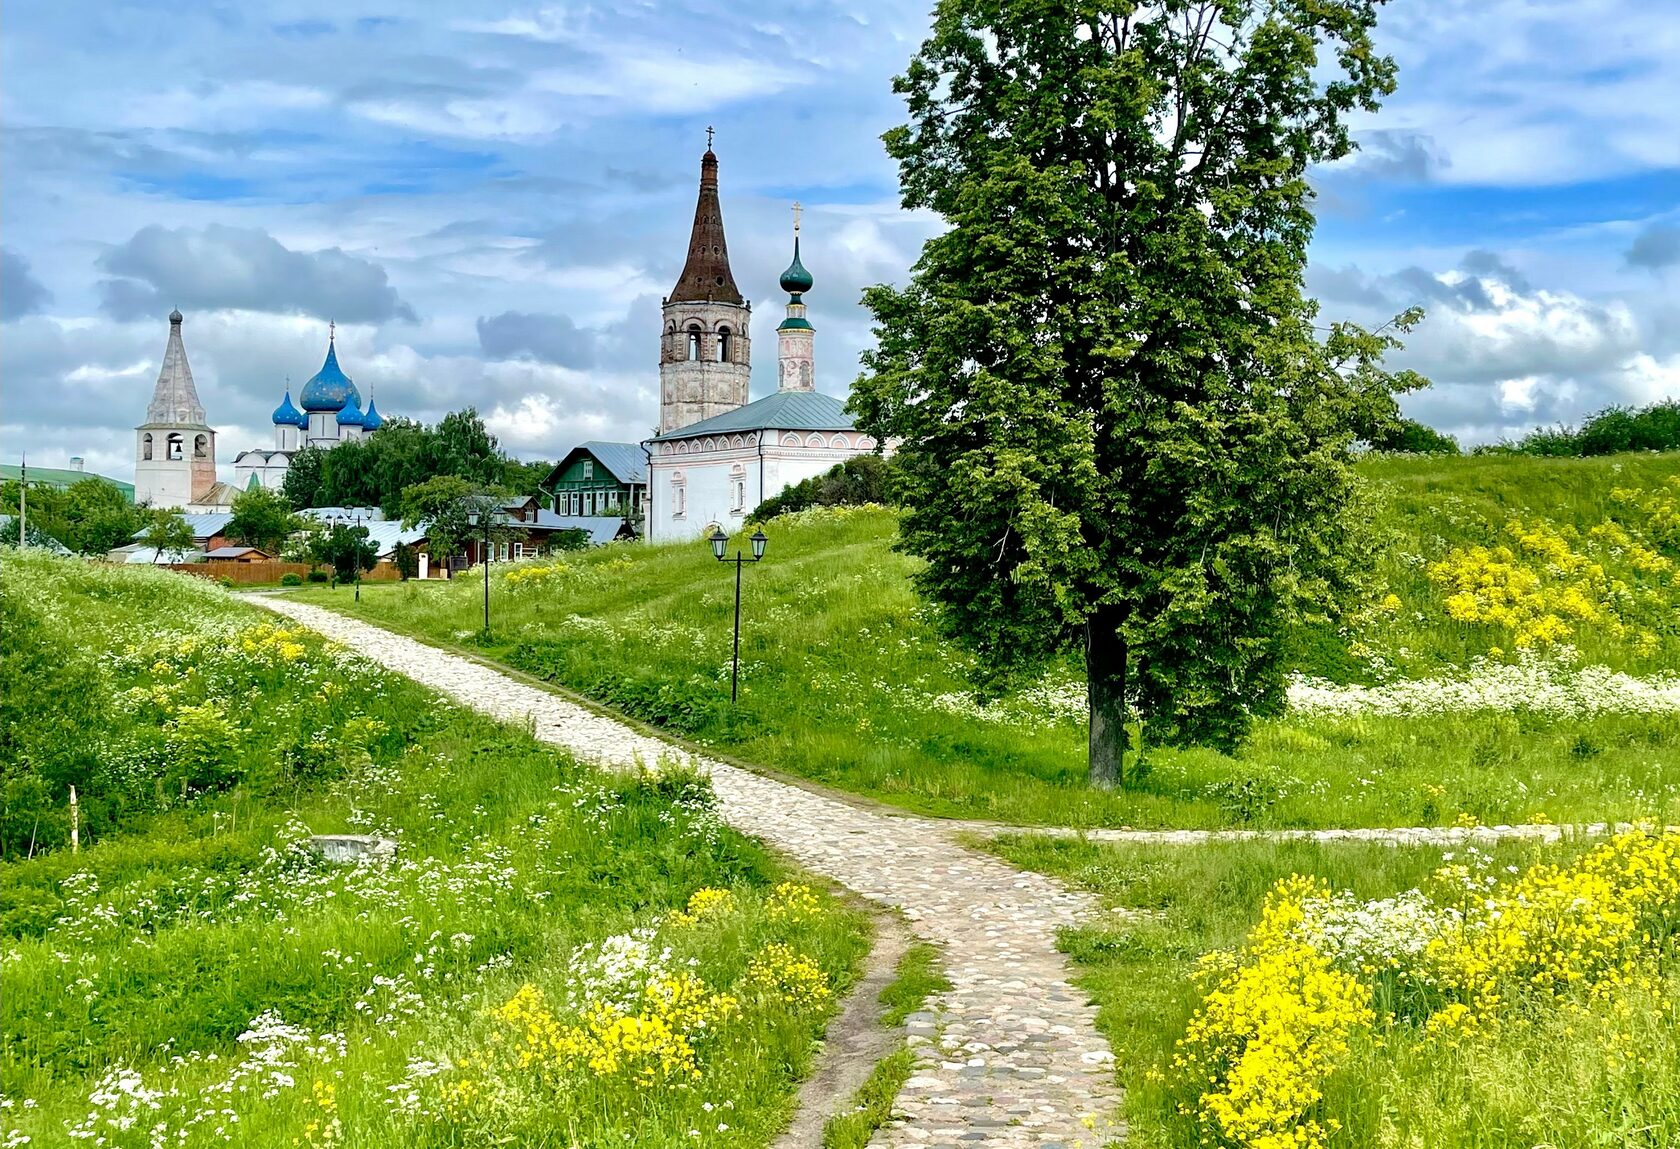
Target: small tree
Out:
[348,550]
[168,533]
[302,487]
[98,517]
[261,518]
[450,507]
[407,560]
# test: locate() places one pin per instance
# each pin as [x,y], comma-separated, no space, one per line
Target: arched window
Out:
[804,374]
[201,447]
[723,345]
[146,445]
[175,447]
[694,342]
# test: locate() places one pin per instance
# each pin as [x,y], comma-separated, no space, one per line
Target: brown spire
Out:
[706,275]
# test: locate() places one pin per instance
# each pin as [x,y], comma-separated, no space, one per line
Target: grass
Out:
[845,681]
[917,978]
[197,966]
[1552,1073]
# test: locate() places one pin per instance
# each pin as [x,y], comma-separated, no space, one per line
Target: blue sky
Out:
[490,200]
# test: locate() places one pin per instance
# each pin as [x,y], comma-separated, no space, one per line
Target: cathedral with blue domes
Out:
[328,412]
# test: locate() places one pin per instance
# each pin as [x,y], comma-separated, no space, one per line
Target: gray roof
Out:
[626,461]
[150,555]
[232,552]
[175,399]
[783,411]
[601,528]
[203,525]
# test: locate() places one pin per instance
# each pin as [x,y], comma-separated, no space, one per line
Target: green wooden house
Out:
[599,479]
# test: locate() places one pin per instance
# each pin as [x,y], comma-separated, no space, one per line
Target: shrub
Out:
[291,578]
[1411,437]
[225,583]
[317,576]
[865,479]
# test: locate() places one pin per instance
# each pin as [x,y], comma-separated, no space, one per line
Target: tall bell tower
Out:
[174,449]
[705,352]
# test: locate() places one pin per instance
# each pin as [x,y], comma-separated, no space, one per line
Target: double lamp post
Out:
[720,544]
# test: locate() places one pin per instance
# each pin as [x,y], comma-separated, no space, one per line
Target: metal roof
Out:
[233,552]
[174,398]
[62,477]
[626,462]
[203,525]
[783,411]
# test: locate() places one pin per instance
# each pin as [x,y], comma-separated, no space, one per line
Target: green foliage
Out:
[191,918]
[407,560]
[1120,434]
[1613,430]
[91,517]
[377,470]
[291,578]
[864,479]
[346,548]
[453,508]
[317,576]
[262,518]
[846,680]
[169,534]
[1552,1078]
[1410,437]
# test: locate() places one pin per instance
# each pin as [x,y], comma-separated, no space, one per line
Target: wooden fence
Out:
[246,574]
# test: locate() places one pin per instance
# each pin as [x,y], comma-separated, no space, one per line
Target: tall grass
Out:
[845,681]
[198,951]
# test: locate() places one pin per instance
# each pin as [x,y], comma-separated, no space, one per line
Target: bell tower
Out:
[795,338]
[174,449]
[705,351]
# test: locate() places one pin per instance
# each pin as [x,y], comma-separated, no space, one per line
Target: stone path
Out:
[1010,1056]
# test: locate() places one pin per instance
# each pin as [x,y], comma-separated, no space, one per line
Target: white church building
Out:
[717,456]
[332,414]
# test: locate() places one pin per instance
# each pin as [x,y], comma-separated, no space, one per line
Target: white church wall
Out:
[689,493]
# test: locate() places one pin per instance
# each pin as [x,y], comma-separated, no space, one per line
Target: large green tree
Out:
[1121,430]
[168,533]
[262,518]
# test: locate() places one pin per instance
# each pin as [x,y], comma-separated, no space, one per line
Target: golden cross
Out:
[795,217]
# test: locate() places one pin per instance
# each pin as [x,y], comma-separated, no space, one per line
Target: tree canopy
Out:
[375,471]
[262,518]
[1122,431]
[91,516]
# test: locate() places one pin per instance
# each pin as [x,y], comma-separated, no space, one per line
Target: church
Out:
[175,448]
[716,456]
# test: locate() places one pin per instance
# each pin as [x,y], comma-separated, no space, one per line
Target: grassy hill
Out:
[198,974]
[845,681]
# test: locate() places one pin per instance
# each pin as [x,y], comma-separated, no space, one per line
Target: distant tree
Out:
[345,548]
[99,518]
[407,561]
[302,487]
[1617,429]
[1416,438]
[865,479]
[169,534]
[1121,431]
[522,477]
[465,447]
[262,518]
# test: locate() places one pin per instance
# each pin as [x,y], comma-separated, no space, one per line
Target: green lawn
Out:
[197,966]
[1594,1066]
[845,681]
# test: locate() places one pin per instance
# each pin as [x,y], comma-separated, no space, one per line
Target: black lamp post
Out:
[486,517]
[361,537]
[720,543]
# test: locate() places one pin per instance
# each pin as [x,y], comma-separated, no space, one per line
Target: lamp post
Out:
[361,538]
[720,543]
[486,516]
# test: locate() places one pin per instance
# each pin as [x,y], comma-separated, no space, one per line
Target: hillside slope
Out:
[845,681]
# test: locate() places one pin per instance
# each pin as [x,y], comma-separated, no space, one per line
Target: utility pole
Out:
[23,499]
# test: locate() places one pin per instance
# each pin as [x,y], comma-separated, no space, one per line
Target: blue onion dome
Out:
[350,415]
[287,415]
[796,280]
[371,418]
[330,388]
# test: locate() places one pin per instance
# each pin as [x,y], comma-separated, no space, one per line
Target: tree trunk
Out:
[1105,674]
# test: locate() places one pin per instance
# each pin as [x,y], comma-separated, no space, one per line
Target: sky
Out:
[490,199]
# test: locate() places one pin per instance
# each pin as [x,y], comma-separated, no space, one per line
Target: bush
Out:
[1608,432]
[317,576]
[291,578]
[1414,438]
[865,479]
[225,582]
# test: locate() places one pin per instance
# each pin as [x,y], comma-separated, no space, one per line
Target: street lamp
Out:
[486,517]
[720,543]
[361,537]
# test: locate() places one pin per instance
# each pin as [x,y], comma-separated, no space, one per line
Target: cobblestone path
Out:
[1009,1056]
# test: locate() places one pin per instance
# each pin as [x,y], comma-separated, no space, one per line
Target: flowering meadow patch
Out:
[201,974]
[1328,984]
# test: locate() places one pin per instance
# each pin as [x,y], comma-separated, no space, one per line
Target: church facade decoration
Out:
[717,456]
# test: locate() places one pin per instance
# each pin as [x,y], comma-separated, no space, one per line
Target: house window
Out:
[518,550]
[589,468]
[723,345]
[502,552]
[694,343]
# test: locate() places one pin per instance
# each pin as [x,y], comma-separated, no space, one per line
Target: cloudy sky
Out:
[491,199]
